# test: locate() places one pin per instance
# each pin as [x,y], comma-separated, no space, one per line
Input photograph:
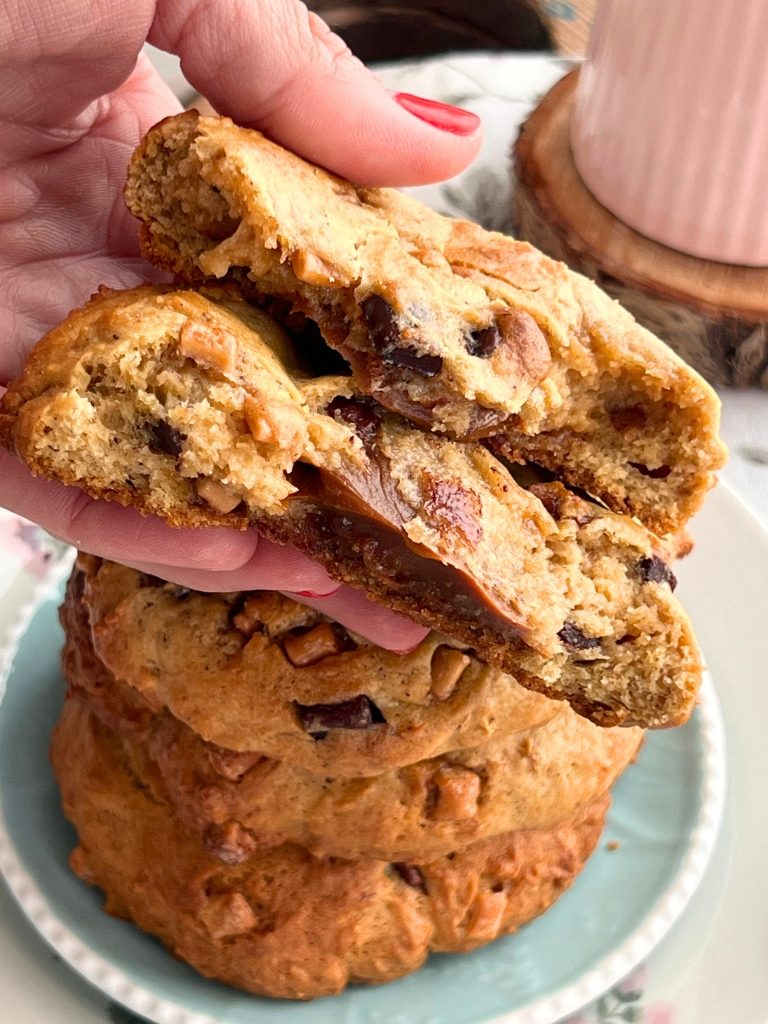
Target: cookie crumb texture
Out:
[195,406]
[462,330]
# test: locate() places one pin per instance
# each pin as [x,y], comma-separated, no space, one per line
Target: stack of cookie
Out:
[444,418]
[291,808]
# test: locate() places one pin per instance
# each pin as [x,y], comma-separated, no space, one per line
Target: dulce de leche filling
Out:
[364,513]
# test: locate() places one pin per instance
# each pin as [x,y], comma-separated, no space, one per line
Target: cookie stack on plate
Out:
[291,808]
[444,418]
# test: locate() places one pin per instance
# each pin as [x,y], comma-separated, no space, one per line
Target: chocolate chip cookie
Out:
[285,922]
[238,802]
[257,671]
[195,406]
[462,330]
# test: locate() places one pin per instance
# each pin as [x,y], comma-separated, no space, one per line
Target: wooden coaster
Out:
[713,314]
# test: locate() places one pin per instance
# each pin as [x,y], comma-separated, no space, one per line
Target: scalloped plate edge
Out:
[668,908]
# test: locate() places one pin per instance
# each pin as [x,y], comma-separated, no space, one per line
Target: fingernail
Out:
[405,650]
[455,120]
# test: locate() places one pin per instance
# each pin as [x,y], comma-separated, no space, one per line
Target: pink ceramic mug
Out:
[670,127]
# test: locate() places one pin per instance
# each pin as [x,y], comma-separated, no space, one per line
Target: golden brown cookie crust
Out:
[286,923]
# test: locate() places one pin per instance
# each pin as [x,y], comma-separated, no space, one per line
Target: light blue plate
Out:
[664,819]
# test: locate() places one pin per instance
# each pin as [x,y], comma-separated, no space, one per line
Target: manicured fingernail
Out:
[455,120]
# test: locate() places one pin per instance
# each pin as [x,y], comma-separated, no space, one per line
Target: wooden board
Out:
[713,314]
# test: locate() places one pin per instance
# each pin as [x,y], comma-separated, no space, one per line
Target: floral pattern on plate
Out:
[624,1004]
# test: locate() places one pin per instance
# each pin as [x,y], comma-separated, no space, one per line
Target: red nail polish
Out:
[314,594]
[440,115]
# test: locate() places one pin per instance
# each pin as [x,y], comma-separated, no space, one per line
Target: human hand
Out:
[76,95]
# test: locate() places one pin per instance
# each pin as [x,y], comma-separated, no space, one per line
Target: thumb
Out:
[273,65]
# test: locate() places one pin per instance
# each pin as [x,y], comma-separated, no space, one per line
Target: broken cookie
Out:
[461,330]
[545,585]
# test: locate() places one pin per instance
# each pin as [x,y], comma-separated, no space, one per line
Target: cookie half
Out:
[194,406]
[462,330]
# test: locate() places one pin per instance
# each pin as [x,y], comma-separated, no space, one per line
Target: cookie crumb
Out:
[614,844]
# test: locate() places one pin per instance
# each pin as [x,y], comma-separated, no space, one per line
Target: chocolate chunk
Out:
[554,501]
[531,476]
[572,636]
[424,364]
[411,875]
[370,493]
[519,348]
[381,321]
[480,420]
[348,533]
[659,473]
[551,498]
[163,439]
[451,506]
[364,419]
[654,570]
[384,332]
[631,417]
[356,713]
[483,343]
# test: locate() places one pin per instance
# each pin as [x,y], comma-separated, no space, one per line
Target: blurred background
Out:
[384,30]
